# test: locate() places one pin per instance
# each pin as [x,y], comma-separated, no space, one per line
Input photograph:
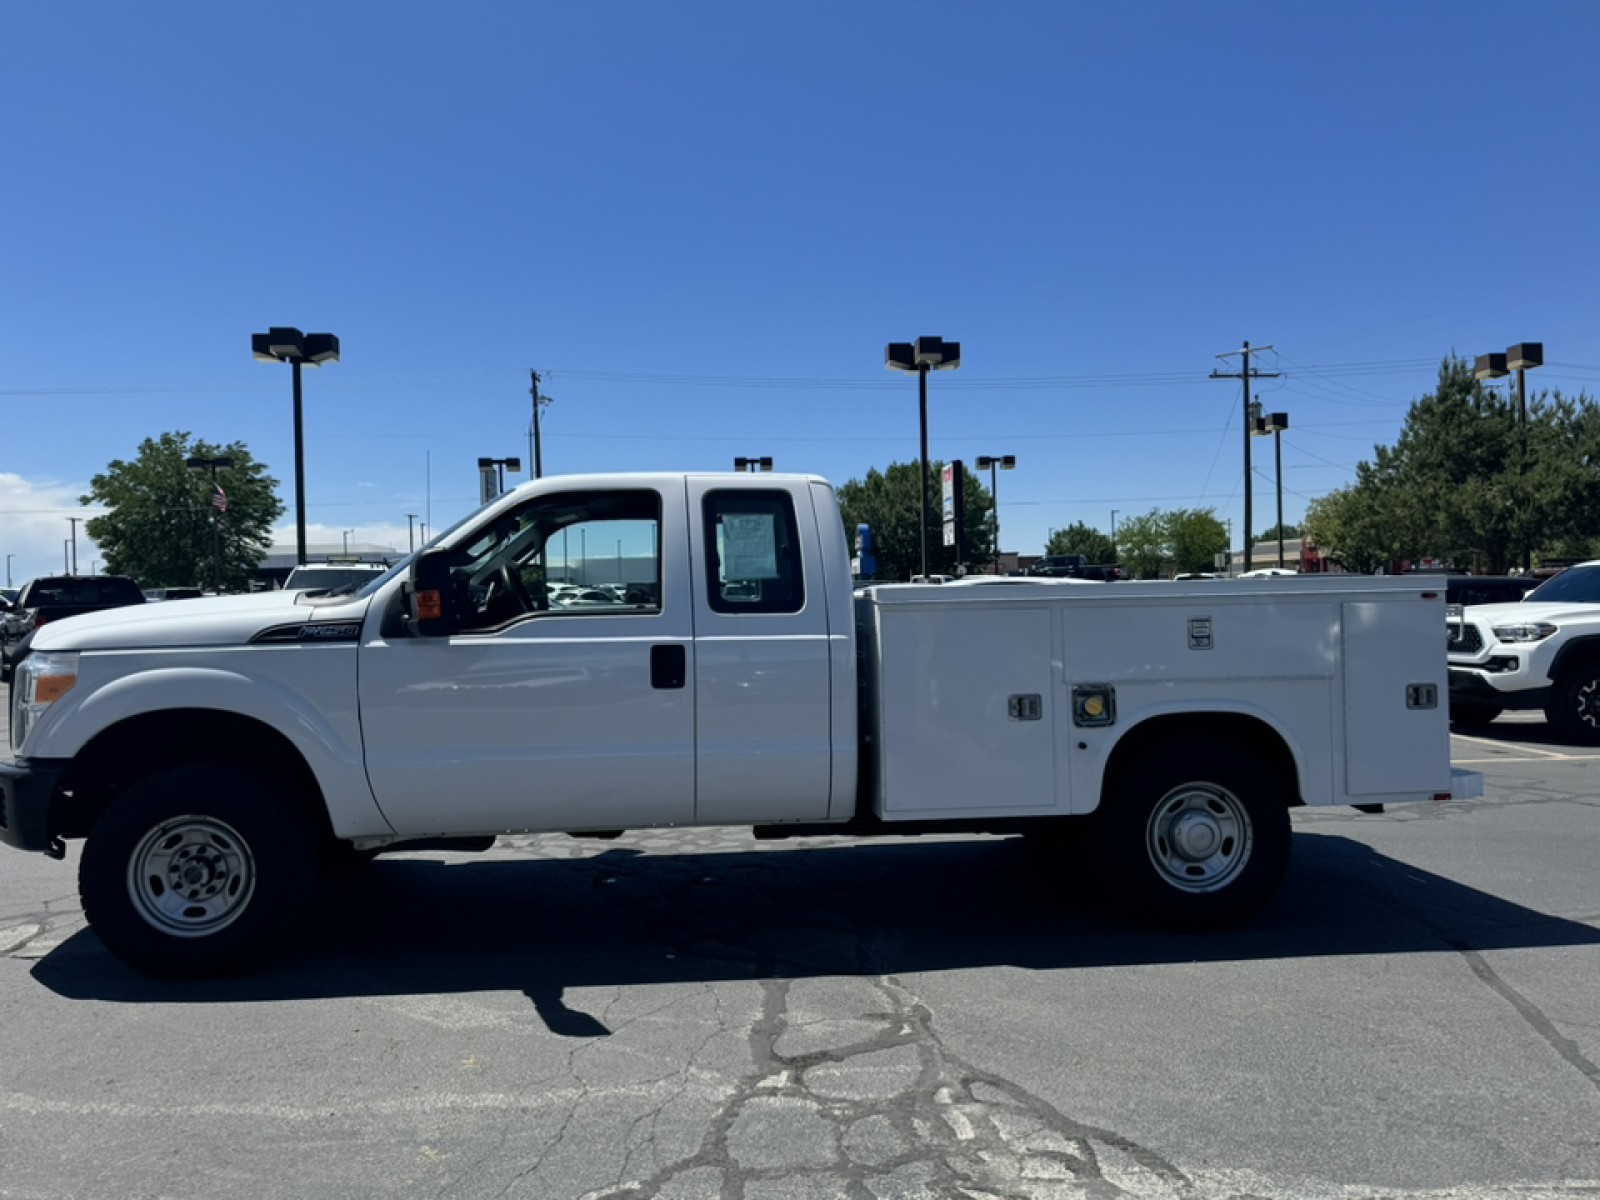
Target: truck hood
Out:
[1521,612]
[208,621]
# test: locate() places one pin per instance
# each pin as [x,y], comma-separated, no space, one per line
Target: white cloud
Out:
[35,530]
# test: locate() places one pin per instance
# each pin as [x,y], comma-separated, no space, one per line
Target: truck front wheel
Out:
[1573,709]
[1198,836]
[191,870]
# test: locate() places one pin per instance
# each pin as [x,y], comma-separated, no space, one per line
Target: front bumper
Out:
[1473,687]
[26,791]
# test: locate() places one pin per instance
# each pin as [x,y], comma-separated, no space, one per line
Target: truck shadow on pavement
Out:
[540,925]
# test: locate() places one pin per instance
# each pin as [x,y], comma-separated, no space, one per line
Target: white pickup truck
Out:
[220,754]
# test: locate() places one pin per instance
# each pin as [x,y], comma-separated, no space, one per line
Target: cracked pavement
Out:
[688,1014]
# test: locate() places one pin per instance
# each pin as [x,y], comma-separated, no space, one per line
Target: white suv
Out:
[1539,652]
[325,576]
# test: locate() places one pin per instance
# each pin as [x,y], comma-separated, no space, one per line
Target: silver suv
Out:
[1542,652]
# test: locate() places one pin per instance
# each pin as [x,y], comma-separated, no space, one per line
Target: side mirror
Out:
[430,597]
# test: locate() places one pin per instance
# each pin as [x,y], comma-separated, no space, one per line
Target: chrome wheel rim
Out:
[1199,837]
[191,876]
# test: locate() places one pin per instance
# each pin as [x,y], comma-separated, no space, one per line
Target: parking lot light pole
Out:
[285,344]
[501,466]
[73,568]
[923,355]
[1519,358]
[991,464]
[1275,424]
[218,504]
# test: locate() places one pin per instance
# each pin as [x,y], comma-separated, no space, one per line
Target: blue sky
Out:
[701,222]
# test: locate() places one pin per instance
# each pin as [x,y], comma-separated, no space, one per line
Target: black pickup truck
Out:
[52,597]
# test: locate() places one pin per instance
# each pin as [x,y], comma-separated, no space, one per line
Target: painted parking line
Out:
[1517,753]
[1469,762]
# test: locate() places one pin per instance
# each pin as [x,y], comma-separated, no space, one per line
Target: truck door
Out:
[568,700]
[763,675]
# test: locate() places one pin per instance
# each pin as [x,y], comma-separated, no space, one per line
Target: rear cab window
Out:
[753,561]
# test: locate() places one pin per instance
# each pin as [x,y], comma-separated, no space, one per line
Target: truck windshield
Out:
[1576,585]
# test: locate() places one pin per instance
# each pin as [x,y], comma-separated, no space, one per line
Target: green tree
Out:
[1142,545]
[1079,538]
[890,503]
[1347,527]
[1468,481]
[1193,539]
[1271,535]
[161,526]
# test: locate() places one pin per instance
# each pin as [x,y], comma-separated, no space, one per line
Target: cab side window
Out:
[588,553]
[753,564]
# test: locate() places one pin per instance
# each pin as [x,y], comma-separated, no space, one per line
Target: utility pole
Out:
[411,531]
[1246,373]
[535,446]
[73,567]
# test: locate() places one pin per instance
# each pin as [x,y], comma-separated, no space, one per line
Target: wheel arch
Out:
[1580,651]
[1242,731]
[139,746]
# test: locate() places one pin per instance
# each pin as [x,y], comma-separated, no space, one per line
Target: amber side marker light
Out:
[51,688]
[429,606]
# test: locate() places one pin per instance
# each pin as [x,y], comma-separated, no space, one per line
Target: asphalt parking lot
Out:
[687,1014]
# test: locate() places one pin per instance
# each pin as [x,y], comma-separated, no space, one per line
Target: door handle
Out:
[669,666]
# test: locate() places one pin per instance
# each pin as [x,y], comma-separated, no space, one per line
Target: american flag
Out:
[219,498]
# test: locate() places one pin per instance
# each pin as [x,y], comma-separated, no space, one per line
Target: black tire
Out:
[1197,836]
[1573,708]
[1474,716]
[191,871]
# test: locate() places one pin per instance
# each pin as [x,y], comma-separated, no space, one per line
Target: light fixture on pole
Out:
[499,466]
[344,535]
[284,344]
[1275,424]
[1519,358]
[411,531]
[991,464]
[219,505]
[923,355]
[752,464]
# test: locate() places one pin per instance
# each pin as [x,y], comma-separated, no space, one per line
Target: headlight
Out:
[1533,632]
[42,679]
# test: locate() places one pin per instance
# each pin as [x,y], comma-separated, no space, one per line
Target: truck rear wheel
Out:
[190,871]
[1573,709]
[1198,836]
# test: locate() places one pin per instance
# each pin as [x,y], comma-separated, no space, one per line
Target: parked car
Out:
[1488,589]
[327,576]
[173,593]
[1539,652]
[1074,566]
[54,597]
